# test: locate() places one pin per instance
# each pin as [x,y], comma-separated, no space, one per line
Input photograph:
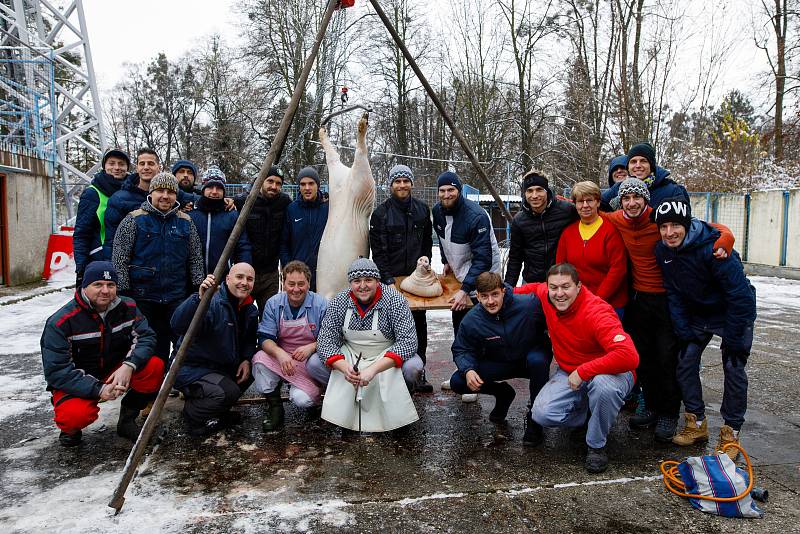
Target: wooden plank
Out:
[450,286]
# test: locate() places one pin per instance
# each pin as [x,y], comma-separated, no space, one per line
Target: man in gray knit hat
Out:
[400,232]
[158,256]
[368,313]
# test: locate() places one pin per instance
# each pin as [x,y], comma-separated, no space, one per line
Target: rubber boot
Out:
[126,425]
[534,433]
[273,419]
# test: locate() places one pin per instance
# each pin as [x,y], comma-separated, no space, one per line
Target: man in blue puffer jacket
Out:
[642,165]
[214,224]
[158,257]
[217,366]
[502,338]
[89,234]
[706,296]
[466,240]
[132,194]
[306,218]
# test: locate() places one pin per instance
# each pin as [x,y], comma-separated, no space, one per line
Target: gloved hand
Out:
[738,357]
[78,279]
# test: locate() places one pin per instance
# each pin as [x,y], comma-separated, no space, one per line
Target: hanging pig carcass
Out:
[352,199]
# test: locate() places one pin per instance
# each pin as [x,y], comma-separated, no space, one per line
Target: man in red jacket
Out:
[595,358]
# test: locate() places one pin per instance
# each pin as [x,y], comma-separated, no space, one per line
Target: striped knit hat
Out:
[363,268]
[400,171]
[213,176]
[636,186]
[164,180]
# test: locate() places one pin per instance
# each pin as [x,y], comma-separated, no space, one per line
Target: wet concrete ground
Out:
[453,471]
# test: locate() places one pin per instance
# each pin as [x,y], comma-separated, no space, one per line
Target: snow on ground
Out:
[23,321]
[18,394]
[776,293]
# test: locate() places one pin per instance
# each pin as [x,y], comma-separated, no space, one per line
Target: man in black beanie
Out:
[99,347]
[264,231]
[535,230]
[305,221]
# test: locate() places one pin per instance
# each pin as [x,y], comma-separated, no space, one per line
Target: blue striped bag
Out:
[717,476]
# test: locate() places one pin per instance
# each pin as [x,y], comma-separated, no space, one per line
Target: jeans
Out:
[536,368]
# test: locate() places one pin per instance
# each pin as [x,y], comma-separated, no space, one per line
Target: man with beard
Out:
[400,232]
[186,173]
[90,231]
[214,224]
[159,257]
[264,230]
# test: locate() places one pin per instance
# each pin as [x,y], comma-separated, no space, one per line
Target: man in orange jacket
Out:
[595,358]
[647,317]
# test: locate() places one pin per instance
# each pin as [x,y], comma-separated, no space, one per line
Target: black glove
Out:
[78,279]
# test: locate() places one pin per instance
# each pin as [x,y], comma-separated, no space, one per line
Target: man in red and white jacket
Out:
[596,361]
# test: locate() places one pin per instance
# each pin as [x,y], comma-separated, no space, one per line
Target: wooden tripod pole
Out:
[436,102]
[274,151]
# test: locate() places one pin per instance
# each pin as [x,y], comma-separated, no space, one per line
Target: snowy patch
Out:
[23,322]
[19,394]
[772,293]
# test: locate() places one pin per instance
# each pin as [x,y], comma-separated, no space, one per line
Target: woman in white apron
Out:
[373,398]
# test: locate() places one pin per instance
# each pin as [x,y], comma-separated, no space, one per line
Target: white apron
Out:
[385,403]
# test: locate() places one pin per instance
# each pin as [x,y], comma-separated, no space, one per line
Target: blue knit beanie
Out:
[184,164]
[99,270]
[449,178]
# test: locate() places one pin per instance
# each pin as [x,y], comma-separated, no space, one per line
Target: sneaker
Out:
[692,433]
[469,397]
[727,436]
[446,385]
[596,460]
[646,419]
[70,440]
[503,399]
[665,429]
[423,386]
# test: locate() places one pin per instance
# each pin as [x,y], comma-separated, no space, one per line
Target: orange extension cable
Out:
[673,482]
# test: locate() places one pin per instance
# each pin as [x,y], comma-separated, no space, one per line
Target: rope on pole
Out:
[275,149]
[445,115]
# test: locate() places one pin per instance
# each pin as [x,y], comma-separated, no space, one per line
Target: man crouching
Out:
[98,347]
[217,366]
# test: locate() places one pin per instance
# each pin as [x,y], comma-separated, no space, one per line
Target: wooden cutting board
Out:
[450,286]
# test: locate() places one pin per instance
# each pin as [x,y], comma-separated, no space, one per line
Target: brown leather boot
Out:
[726,436]
[691,433]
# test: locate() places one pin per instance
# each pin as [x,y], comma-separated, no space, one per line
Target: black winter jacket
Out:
[265,228]
[89,234]
[80,348]
[398,235]
[534,238]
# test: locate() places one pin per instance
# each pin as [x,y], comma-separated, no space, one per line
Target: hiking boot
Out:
[126,425]
[534,433]
[275,413]
[469,397]
[692,433]
[727,436]
[70,440]
[596,460]
[665,428]
[646,419]
[422,385]
[504,395]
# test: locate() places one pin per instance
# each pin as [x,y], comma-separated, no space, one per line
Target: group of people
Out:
[610,301]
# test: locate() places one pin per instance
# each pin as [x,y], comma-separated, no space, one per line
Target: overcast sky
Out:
[134,32]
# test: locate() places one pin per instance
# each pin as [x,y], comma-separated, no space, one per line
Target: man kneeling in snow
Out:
[217,366]
[98,347]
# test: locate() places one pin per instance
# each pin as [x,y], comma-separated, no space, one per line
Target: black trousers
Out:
[158,317]
[210,397]
[648,322]
[421,326]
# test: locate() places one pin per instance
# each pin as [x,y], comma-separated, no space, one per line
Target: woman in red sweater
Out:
[595,247]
